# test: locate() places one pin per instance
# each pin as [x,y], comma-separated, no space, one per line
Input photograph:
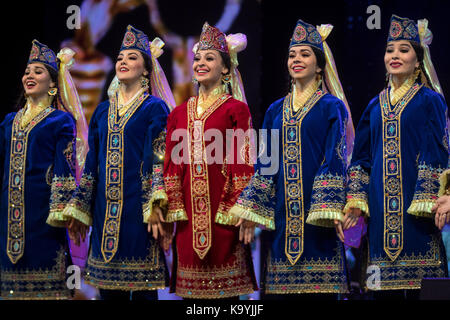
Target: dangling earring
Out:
[144,82]
[226,78]
[194,81]
[52,92]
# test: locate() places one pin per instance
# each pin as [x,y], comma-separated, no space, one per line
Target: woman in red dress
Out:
[202,180]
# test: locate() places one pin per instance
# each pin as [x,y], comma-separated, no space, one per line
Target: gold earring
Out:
[52,92]
[226,78]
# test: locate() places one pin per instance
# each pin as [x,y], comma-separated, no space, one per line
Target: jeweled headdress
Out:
[403,29]
[137,40]
[212,38]
[407,29]
[306,34]
[43,54]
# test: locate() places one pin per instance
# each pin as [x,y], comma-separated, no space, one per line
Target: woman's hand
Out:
[351,218]
[339,231]
[77,230]
[442,211]
[160,229]
[247,230]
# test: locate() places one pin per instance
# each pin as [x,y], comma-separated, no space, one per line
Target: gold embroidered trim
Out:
[71,211]
[41,284]
[15,245]
[114,173]
[200,201]
[244,213]
[215,282]
[324,217]
[358,204]
[392,168]
[293,180]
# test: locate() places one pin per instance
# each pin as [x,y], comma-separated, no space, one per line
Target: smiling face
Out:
[302,63]
[208,67]
[36,80]
[400,58]
[130,66]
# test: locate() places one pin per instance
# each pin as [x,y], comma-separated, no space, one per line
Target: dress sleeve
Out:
[63,181]
[237,170]
[80,205]
[328,192]
[153,161]
[358,173]
[173,173]
[257,201]
[432,160]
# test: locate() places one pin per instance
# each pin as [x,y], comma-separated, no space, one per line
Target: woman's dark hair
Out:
[321,63]
[420,53]
[148,66]
[54,78]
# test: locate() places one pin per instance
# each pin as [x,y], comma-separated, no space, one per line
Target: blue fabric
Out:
[49,156]
[321,266]
[422,155]
[138,262]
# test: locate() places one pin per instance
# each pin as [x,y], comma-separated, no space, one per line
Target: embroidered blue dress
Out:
[123,164]
[399,153]
[297,192]
[37,179]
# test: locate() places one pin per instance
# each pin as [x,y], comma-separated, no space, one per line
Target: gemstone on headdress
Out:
[137,40]
[212,38]
[306,34]
[403,29]
[43,54]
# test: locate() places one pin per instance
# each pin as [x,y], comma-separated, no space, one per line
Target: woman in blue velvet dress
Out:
[401,148]
[38,175]
[298,192]
[123,166]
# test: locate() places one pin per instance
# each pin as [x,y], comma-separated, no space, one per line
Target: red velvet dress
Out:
[202,182]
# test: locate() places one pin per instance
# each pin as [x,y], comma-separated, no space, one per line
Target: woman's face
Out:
[302,63]
[36,80]
[130,66]
[400,58]
[208,67]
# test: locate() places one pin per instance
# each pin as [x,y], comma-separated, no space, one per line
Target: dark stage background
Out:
[268,25]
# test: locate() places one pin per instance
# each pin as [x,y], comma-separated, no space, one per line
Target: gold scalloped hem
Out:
[443,181]
[115,285]
[226,218]
[421,208]
[416,285]
[358,204]
[213,294]
[324,218]
[57,219]
[158,198]
[307,288]
[176,215]
[249,215]
[71,212]
[33,296]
